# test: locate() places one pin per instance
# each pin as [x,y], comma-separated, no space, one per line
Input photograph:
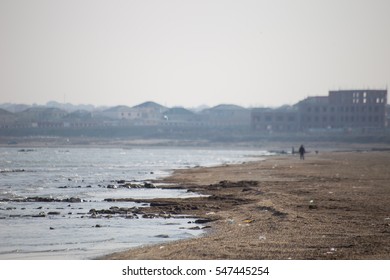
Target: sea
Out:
[46,197]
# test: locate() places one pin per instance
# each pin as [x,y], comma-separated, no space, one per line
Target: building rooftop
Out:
[315,100]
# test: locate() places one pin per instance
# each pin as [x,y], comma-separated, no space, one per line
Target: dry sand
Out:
[332,205]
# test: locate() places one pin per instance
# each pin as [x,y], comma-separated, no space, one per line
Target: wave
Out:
[12,170]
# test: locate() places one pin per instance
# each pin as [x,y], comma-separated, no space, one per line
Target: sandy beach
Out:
[332,205]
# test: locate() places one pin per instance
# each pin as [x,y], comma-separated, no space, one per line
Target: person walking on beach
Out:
[302,152]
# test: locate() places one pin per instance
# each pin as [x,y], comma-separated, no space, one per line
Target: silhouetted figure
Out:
[302,152]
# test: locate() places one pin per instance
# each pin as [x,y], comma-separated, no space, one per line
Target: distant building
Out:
[226,115]
[283,119]
[148,113]
[81,119]
[387,115]
[40,117]
[7,119]
[342,109]
[118,113]
[178,116]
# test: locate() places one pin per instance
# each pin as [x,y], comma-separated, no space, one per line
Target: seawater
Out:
[90,175]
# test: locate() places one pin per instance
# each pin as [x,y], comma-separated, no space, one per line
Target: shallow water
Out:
[66,184]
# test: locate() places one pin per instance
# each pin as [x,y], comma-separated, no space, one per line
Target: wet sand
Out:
[334,205]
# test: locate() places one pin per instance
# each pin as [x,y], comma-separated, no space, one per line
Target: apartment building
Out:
[344,109]
[341,109]
[283,119]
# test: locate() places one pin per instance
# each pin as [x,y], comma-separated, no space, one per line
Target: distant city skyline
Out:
[190,53]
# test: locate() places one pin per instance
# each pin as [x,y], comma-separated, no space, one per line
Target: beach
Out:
[58,202]
[332,205]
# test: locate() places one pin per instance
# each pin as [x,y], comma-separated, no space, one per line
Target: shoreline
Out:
[330,206]
[262,144]
[80,187]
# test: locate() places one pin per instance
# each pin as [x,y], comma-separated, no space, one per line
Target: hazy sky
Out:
[189,53]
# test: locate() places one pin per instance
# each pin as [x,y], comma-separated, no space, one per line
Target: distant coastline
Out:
[278,144]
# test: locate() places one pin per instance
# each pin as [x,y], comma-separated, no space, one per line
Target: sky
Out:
[190,53]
